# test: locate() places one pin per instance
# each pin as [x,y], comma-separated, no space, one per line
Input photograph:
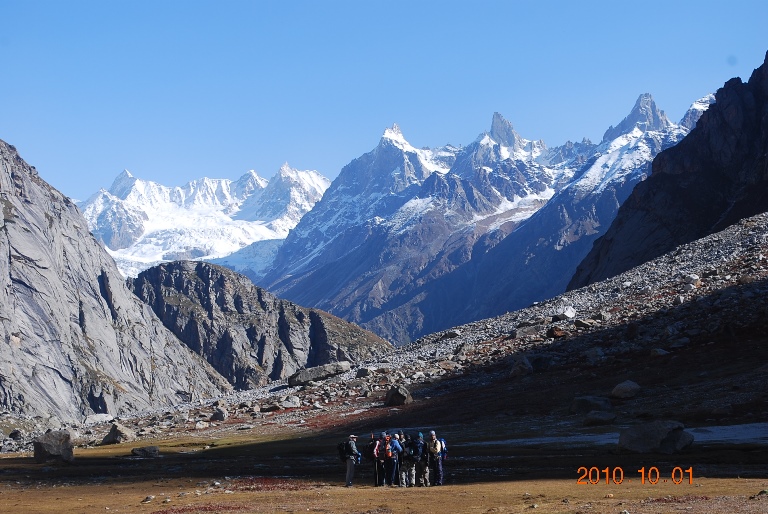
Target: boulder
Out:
[291,402]
[661,436]
[304,376]
[56,444]
[626,389]
[520,366]
[364,372]
[16,434]
[586,404]
[557,332]
[118,434]
[564,313]
[148,452]
[398,395]
[93,419]
[219,414]
[586,323]
[599,417]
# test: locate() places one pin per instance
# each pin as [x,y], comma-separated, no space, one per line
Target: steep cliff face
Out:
[714,177]
[246,333]
[73,339]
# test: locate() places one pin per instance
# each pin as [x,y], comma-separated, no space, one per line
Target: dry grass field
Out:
[283,473]
[253,494]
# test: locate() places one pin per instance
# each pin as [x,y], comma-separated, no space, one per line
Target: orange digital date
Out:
[651,475]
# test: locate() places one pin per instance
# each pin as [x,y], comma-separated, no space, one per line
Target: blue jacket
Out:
[396,448]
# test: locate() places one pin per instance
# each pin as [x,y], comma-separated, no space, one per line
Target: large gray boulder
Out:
[74,340]
[119,434]
[305,376]
[626,389]
[398,395]
[56,444]
[147,452]
[659,436]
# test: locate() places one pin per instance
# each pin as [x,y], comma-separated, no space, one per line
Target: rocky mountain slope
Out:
[247,334]
[74,340]
[403,242]
[142,222]
[714,177]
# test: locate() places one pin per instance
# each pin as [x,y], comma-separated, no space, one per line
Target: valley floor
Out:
[209,491]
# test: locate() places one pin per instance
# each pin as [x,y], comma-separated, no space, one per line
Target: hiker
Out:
[390,462]
[397,458]
[435,463]
[380,455]
[408,463]
[420,454]
[352,456]
[386,458]
[370,454]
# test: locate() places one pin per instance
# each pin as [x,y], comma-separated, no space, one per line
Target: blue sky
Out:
[177,90]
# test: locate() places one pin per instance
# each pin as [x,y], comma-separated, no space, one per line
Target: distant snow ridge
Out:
[142,223]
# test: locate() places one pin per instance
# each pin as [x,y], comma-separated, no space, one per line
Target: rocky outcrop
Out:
[56,444]
[119,434]
[74,340]
[246,333]
[713,178]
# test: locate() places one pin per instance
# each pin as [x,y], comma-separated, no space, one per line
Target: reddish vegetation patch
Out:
[209,507]
[266,484]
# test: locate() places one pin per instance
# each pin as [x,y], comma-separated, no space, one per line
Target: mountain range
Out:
[405,241]
[409,241]
[142,223]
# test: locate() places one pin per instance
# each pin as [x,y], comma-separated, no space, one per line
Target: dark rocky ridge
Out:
[74,341]
[716,176]
[246,333]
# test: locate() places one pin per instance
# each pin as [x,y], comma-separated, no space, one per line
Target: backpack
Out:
[370,450]
[388,449]
[342,449]
[420,450]
[410,451]
[444,450]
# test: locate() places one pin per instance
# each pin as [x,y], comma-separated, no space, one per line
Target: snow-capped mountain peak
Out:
[394,136]
[503,133]
[644,116]
[695,111]
[503,142]
[122,184]
[250,183]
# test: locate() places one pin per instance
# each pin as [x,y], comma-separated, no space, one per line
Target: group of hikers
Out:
[399,459]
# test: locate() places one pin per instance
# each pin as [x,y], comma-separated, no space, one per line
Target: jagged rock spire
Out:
[502,131]
[644,115]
